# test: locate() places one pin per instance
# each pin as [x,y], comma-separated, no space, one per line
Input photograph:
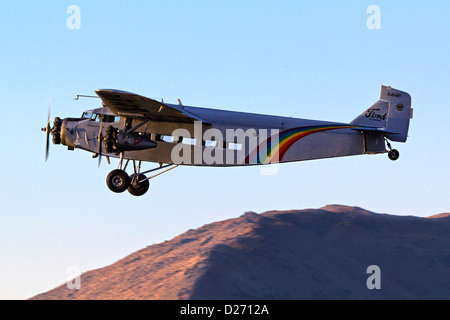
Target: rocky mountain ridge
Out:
[298,254]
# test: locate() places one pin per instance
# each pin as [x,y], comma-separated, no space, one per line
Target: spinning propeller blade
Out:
[47,130]
[100,142]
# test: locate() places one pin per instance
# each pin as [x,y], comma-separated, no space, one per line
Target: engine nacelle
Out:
[134,141]
[118,141]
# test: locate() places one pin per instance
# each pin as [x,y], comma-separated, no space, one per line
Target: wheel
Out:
[118,181]
[139,189]
[394,155]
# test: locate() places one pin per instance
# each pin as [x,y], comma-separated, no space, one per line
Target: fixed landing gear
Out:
[393,154]
[118,181]
[137,188]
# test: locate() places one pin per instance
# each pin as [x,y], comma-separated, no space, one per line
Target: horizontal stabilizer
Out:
[374,130]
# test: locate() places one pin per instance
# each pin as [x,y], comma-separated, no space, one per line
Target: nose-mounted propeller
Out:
[48,130]
[55,131]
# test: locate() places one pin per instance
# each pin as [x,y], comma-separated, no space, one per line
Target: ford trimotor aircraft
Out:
[134,128]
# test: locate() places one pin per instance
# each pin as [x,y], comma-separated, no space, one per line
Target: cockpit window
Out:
[87,115]
[98,117]
[106,118]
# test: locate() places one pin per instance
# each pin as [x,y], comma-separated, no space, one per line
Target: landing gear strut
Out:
[393,154]
[137,184]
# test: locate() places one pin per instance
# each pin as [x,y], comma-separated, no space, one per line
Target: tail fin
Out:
[392,113]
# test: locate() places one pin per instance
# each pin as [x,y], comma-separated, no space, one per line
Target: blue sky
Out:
[308,59]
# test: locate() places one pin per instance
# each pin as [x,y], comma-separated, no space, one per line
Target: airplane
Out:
[134,128]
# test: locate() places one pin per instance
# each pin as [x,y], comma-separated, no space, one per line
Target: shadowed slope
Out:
[307,254]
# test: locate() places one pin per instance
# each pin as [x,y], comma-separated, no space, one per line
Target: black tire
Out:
[118,181]
[139,189]
[394,155]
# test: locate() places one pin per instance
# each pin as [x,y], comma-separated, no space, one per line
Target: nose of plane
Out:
[63,132]
[56,131]
[67,133]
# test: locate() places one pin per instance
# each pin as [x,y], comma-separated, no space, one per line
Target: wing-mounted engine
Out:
[117,141]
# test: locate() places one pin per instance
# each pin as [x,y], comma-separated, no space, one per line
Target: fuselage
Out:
[225,138]
[140,129]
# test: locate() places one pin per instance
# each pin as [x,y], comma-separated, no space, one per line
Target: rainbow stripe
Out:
[275,148]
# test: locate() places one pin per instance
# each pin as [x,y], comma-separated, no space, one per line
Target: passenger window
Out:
[189,141]
[168,139]
[210,143]
[235,146]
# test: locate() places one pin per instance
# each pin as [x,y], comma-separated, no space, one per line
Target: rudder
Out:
[392,113]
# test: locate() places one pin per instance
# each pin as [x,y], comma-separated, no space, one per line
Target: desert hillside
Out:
[299,254]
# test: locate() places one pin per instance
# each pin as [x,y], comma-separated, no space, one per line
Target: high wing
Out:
[130,105]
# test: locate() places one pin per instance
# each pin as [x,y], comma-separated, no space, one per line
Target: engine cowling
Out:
[56,131]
